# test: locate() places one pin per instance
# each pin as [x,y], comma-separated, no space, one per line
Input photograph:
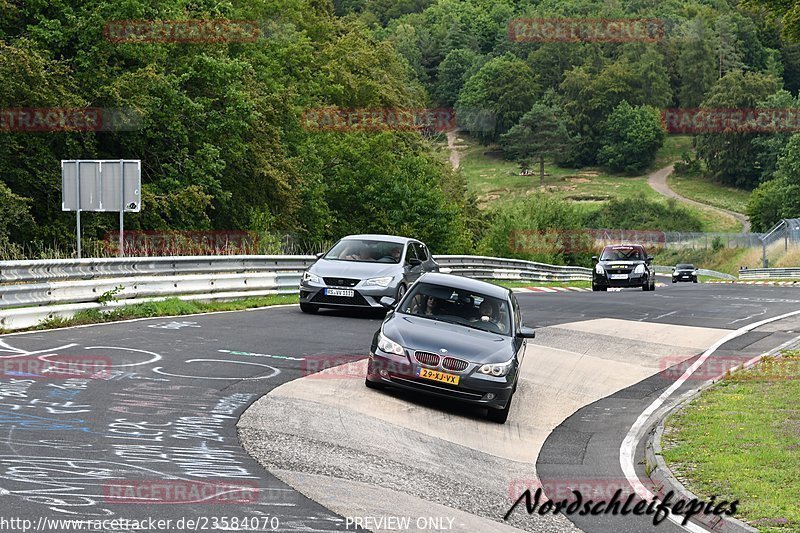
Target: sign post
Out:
[101,185]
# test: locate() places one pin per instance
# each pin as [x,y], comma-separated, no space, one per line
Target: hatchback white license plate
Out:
[619,276]
[339,292]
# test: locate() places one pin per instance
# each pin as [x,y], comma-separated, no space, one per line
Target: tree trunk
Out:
[541,170]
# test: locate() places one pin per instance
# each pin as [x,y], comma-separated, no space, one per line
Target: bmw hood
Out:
[353,269]
[419,333]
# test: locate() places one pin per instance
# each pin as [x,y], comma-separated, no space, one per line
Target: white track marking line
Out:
[628,448]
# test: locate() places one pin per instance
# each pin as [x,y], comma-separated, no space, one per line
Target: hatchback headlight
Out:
[497,370]
[639,269]
[379,282]
[308,276]
[389,346]
[599,269]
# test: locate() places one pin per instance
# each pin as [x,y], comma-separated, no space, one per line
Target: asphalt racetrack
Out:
[259,420]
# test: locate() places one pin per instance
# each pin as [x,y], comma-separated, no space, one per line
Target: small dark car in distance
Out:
[359,270]
[684,272]
[453,337]
[623,265]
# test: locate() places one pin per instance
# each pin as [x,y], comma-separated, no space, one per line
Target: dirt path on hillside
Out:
[658,181]
[455,156]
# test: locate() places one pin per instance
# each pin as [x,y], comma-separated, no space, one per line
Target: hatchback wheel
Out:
[308,308]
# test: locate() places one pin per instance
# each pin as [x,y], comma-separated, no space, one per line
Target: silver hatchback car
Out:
[359,270]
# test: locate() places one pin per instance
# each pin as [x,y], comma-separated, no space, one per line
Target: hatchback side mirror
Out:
[388,302]
[526,333]
[649,259]
[594,258]
[319,255]
[414,262]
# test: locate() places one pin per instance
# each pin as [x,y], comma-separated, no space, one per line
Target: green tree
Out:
[453,72]
[541,132]
[732,157]
[495,98]
[780,197]
[633,136]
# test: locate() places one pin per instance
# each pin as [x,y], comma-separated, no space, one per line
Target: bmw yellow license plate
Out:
[435,375]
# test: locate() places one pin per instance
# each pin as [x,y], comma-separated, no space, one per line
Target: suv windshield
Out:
[366,251]
[622,253]
[458,306]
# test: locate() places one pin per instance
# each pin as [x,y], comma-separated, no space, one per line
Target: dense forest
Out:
[220,132]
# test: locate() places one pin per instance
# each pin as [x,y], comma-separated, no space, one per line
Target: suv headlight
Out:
[308,276]
[496,370]
[379,282]
[599,269]
[639,269]
[389,346]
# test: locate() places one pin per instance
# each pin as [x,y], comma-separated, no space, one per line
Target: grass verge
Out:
[706,191]
[168,307]
[739,441]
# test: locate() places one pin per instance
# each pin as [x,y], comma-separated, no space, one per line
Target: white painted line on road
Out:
[628,448]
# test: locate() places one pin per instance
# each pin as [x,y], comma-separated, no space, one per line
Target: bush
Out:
[689,166]
[644,214]
[633,135]
[521,230]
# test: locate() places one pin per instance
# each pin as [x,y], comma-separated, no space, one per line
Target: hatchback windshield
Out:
[458,306]
[366,251]
[685,267]
[622,253]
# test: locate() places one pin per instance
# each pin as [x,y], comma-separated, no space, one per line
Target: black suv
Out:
[626,265]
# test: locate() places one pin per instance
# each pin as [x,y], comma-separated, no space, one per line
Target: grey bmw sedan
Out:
[361,269]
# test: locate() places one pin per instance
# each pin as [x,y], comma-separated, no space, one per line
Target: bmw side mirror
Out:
[649,259]
[388,302]
[526,333]
[673,269]
[414,262]
[319,255]
[594,258]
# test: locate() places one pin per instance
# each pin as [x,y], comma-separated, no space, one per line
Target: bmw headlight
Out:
[308,276]
[599,269]
[378,282]
[496,370]
[639,269]
[389,346]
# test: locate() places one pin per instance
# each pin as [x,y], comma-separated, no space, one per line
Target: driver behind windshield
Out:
[487,312]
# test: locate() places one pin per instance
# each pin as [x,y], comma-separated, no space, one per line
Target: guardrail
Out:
[702,271]
[481,267]
[33,291]
[769,273]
